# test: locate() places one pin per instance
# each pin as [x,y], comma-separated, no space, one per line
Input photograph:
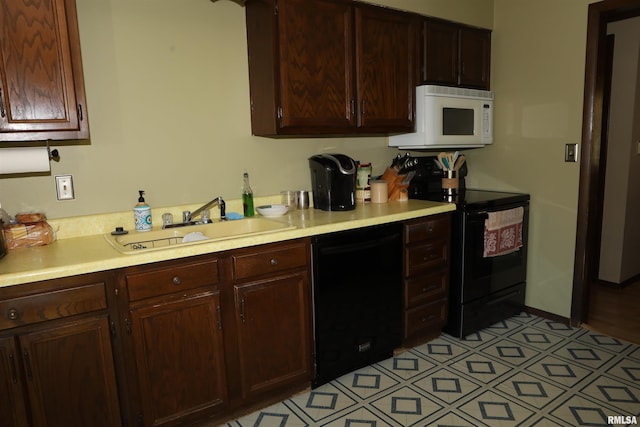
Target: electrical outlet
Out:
[571,153]
[64,187]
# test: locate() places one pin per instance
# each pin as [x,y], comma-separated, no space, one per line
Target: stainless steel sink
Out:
[190,235]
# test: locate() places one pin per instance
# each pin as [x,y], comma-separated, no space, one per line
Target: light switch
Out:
[64,187]
[571,153]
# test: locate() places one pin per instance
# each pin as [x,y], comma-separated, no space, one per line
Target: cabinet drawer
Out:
[427,228]
[269,261]
[426,257]
[170,279]
[52,305]
[425,319]
[425,289]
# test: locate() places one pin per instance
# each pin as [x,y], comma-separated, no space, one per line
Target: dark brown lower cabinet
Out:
[273,333]
[179,357]
[56,359]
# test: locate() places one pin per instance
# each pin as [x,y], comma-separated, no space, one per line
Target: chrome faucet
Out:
[188,217]
[217,201]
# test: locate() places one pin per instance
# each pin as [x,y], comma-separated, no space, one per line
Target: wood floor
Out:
[615,311]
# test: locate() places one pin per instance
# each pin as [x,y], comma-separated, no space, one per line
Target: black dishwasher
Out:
[357,285]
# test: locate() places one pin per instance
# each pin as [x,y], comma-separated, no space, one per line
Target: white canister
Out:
[379,191]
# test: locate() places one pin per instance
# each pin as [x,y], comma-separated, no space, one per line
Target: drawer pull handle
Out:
[274,261]
[13,314]
[426,319]
[176,280]
[429,288]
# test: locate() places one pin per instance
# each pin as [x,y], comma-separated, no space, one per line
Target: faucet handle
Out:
[186,216]
[167,218]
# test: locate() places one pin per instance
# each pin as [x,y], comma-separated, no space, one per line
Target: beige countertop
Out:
[78,252]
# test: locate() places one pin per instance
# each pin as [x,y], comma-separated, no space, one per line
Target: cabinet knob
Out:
[274,261]
[176,280]
[13,314]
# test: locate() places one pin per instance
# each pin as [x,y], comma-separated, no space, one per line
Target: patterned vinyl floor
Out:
[525,371]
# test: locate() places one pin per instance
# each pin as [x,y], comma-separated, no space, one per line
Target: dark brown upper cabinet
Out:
[330,67]
[455,54]
[42,92]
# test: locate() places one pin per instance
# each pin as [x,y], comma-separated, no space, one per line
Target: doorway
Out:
[590,202]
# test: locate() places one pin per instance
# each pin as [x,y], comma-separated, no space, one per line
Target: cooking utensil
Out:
[450,160]
[459,162]
[442,158]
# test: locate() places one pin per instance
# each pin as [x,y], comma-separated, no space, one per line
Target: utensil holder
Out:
[450,182]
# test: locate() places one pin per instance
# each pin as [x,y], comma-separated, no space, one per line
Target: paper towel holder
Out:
[53,154]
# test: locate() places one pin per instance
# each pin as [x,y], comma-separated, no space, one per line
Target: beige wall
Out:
[168,99]
[538,63]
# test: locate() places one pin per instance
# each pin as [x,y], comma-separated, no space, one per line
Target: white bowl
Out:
[272,210]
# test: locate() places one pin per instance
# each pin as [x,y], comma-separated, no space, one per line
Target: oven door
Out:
[483,276]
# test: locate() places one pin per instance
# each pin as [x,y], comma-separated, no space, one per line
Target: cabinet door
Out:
[180,358]
[70,375]
[385,71]
[440,53]
[41,81]
[475,57]
[273,322]
[12,407]
[315,64]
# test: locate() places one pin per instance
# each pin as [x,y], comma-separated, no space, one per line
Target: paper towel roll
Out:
[23,160]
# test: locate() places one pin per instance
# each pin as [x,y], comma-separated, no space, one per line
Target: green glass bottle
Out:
[247,197]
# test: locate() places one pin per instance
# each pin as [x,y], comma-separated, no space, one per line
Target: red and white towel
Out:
[503,232]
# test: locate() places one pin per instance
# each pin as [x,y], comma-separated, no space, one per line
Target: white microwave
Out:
[449,117]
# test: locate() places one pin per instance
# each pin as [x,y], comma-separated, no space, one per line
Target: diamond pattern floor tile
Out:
[524,371]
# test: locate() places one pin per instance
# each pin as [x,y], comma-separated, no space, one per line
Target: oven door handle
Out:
[478,215]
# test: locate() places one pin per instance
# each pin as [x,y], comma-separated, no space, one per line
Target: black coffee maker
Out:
[333,180]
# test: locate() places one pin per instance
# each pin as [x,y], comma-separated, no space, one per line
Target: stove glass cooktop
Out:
[478,199]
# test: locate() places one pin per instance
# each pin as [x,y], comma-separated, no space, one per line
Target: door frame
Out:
[591,170]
